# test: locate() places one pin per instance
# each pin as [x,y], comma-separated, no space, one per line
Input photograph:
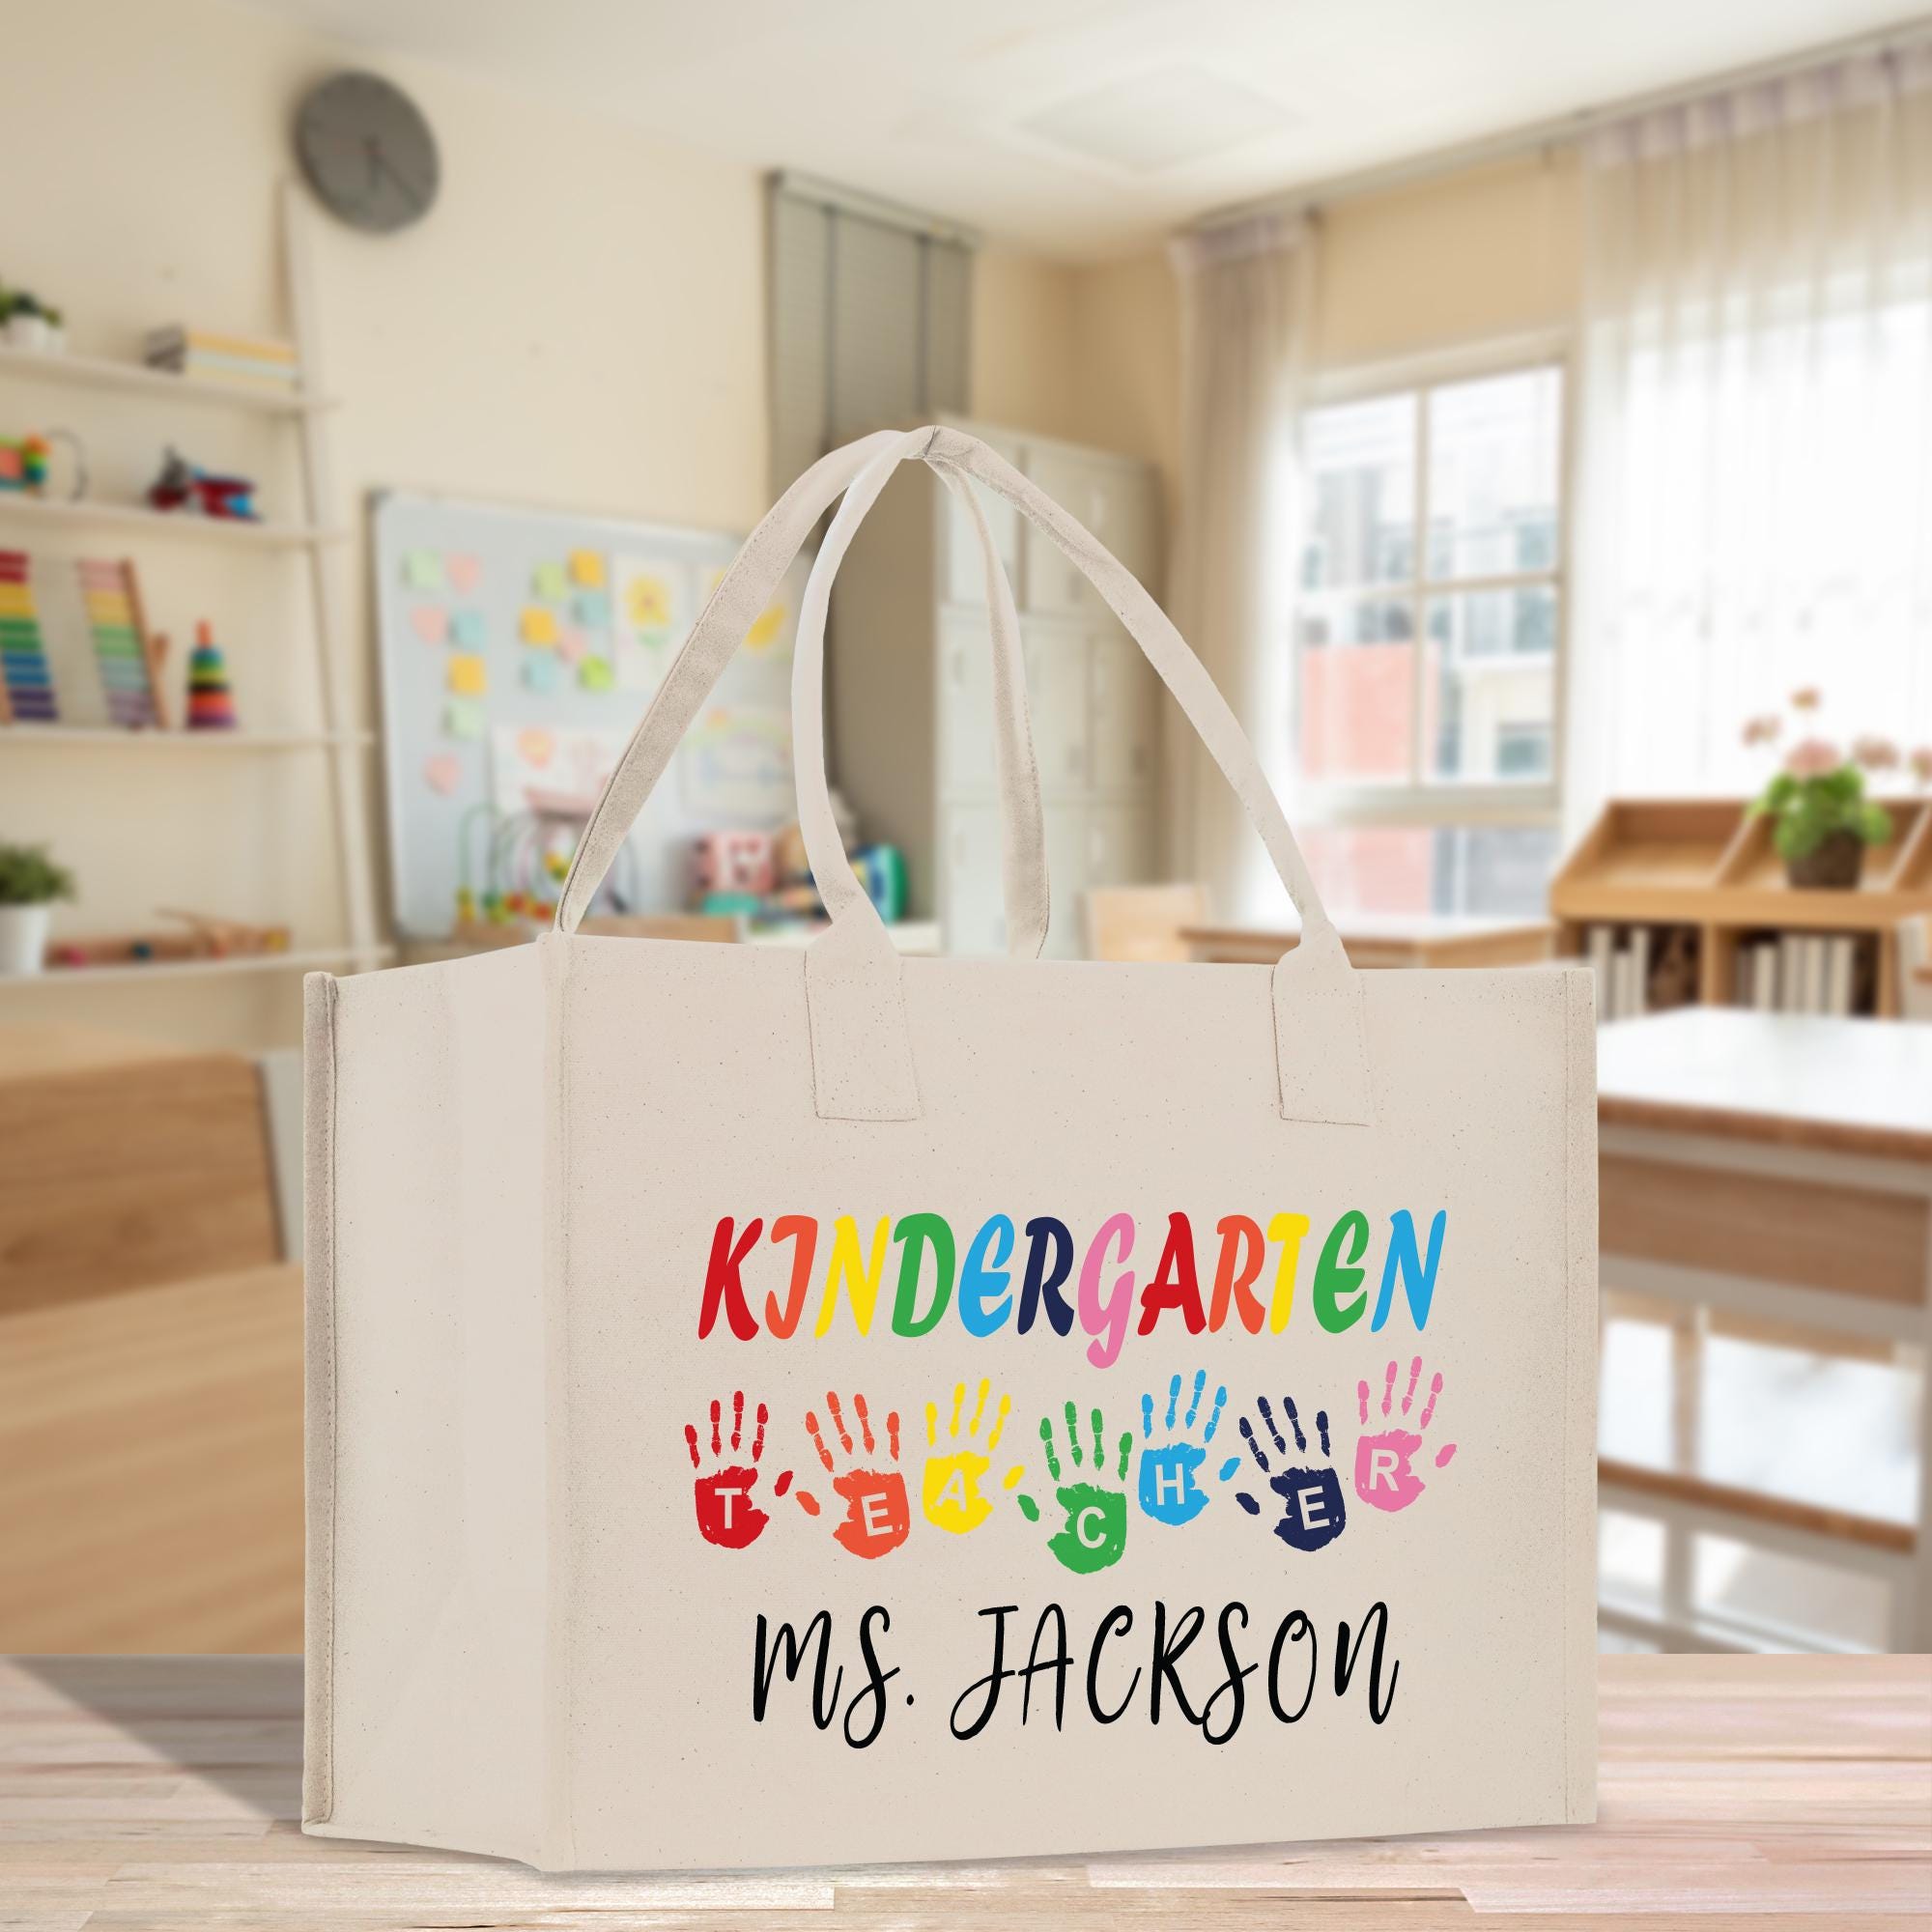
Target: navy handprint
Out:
[1314,1513]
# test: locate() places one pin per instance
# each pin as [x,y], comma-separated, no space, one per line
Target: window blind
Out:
[870,320]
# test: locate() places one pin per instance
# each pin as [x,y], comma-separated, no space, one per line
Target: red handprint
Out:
[877,1517]
[726,1515]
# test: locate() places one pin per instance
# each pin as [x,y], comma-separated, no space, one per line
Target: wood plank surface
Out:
[122,1165]
[151,1462]
[151,1794]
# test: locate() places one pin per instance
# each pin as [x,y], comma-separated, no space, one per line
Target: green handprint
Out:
[1096,1530]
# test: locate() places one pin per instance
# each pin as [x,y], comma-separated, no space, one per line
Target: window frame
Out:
[1422,801]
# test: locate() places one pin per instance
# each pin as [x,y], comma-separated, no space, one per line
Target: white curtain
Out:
[1755,499]
[1246,297]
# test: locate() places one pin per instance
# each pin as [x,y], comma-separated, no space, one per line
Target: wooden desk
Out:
[1779,1167]
[161,1793]
[1388,939]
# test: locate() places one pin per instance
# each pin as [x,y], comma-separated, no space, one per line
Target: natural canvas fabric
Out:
[777,1408]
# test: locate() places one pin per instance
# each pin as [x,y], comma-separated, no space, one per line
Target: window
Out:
[1429,639]
[871,307]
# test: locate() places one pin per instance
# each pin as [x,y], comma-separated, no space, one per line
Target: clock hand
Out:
[411,190]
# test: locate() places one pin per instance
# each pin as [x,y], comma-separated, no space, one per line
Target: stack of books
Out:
[247,362]
[1806,973]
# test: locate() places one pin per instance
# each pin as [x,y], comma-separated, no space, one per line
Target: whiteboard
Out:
[518,650]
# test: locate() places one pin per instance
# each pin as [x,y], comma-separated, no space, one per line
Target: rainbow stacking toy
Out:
[211,704]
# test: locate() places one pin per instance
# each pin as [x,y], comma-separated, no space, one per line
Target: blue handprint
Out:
[1315,1512]
[1170,1485]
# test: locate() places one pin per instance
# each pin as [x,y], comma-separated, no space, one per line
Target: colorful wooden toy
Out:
[184,486]
[129,657]
[26,683]
[211,704]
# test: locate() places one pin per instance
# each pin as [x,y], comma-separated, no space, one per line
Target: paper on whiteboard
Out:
[557,770]
[650,614]
[735,766]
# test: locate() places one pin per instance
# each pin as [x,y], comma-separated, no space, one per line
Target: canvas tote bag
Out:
[779,1408]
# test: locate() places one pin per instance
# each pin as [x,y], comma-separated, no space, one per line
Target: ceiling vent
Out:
[1168,118]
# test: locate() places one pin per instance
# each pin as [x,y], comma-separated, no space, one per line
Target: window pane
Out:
[1493,684]
[1492,461]
[1490,871]
[1788,1601]
[1360,461]
[1357,701]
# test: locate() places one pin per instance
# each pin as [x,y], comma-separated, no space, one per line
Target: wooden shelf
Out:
[108,737]
[305,961]
[98,372]
[1701,862]
[86,515]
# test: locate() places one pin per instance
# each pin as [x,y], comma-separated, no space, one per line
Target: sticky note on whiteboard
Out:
[540,673]
[547,582]
[422,569]
[586,569]
[594,674]
[468,675]
[467,628]
[462,717]
[538,627]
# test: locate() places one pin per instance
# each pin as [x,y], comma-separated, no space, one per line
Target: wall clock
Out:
[367,152]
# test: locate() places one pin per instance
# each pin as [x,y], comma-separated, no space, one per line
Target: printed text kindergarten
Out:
[1254,1264]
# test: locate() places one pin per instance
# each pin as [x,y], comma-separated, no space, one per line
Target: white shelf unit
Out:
[111,738]
[307,959]
[171,524]
[310,540]
[912,689]
[100,372]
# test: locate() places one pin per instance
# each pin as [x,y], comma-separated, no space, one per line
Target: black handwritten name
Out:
[1147,1668]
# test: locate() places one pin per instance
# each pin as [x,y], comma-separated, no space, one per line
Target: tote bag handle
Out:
[748,584]
[862,1058]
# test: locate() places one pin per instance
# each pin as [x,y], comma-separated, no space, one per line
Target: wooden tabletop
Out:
[1797,1080]
[151,1794]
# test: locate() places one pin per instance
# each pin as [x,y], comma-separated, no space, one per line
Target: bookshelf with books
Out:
[1675,900]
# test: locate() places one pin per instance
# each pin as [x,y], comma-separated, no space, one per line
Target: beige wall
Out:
[1459,258]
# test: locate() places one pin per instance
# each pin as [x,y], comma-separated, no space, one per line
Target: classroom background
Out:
[1526,424]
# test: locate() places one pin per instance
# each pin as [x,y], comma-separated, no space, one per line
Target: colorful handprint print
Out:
[949,1491]
[1169,1473]
[877,1517]
[726,1515]
[1096,1530]
[1314,1513]
[1384,1478]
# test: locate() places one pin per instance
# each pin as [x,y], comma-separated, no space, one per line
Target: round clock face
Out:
[367,152]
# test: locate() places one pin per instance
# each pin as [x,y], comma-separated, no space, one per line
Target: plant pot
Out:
[1835,863]
[24,937]
[28,332]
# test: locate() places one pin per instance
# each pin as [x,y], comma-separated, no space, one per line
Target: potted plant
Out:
[1822,820]
[30,882]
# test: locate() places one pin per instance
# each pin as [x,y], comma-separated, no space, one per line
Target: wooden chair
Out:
[1142,922]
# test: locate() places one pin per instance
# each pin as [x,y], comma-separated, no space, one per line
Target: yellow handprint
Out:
[949,1492]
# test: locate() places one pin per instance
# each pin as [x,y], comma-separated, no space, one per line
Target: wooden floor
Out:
[156,1793]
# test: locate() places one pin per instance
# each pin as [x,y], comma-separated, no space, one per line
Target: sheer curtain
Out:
[1246,300]
[1755,485]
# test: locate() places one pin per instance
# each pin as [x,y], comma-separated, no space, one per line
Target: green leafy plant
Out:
[1809,811]
[29,877]
[1818,792]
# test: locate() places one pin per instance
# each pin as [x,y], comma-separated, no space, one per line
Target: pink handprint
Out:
[1384,1479]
